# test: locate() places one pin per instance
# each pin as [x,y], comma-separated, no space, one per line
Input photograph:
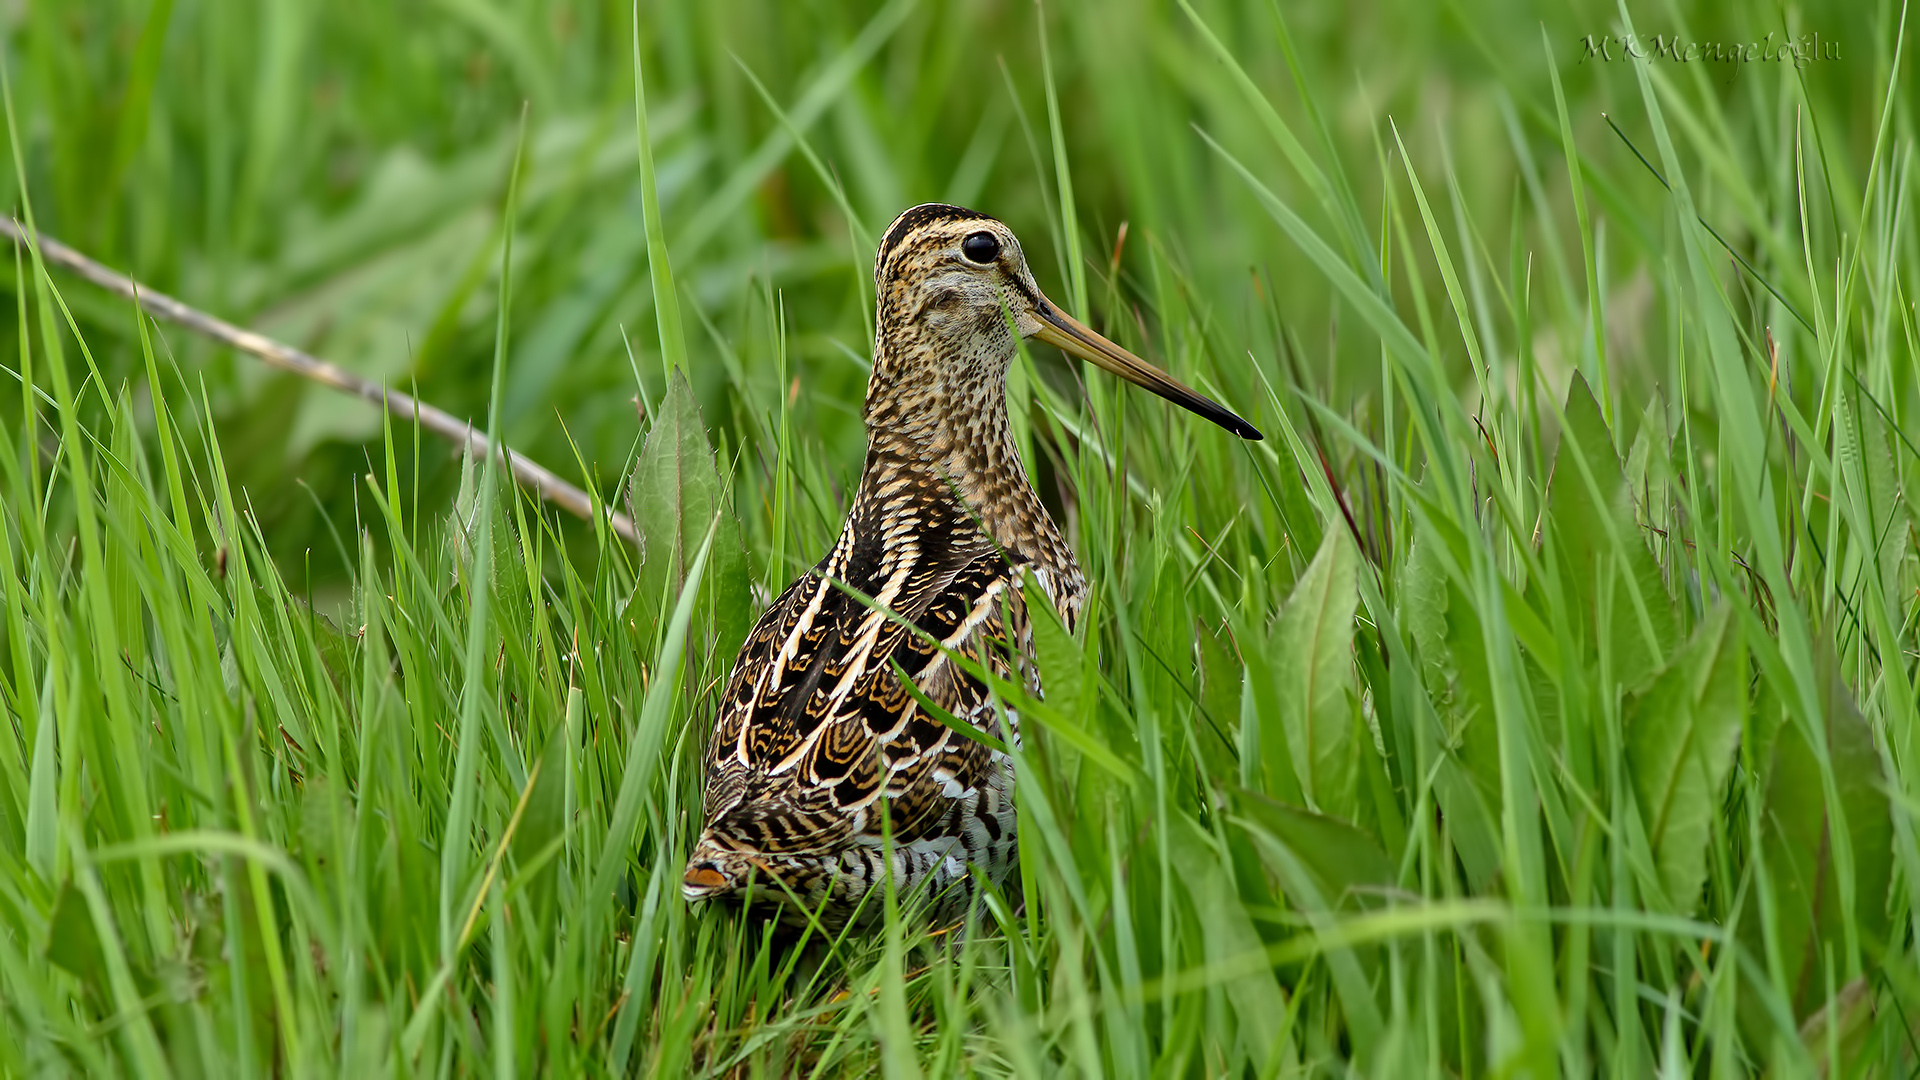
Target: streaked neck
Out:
[946,417]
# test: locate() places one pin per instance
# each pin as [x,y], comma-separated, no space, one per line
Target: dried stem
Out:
[528,473]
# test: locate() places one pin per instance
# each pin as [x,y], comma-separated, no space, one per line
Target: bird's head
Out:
[954,284]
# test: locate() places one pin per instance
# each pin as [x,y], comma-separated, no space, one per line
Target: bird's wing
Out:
[816,723]
[927,765]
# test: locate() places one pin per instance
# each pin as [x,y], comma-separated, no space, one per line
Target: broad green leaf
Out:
[1221,677]
[1887,511]
[323,818]
[1265,762]
[1231,942]
[1423,597]
[330,643]
[1312,651]
[1471,820]
[463,521]
[1167,636]
[1590,521]
[1680,735]
[1809,917]
[546,816]
[1323,863]
[1466,779]
[1344,860]
[675,492]
[72,941]
[1060,657]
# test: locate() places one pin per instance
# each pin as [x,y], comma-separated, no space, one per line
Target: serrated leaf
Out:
[1060,657]
[673,496]
[463,519]
[319,809]
[1312,650]
[1423,611]
[1466,777]
[1584,529]
[1809,919]
[1681,732]
[1887,512]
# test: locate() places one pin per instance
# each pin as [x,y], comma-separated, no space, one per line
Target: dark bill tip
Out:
[1075,338]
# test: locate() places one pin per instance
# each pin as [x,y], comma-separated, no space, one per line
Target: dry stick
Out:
[542,481]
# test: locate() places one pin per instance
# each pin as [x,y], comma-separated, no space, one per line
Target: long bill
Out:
[1075,338]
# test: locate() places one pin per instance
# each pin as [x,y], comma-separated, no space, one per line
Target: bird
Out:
[824,772]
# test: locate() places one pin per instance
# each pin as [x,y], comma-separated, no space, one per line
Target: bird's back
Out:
[818,737]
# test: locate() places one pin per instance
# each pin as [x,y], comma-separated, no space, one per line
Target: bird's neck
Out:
[946,424]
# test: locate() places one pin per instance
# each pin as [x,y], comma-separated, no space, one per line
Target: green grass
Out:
[1539,698]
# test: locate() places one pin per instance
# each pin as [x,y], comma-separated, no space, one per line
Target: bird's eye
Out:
[981,247]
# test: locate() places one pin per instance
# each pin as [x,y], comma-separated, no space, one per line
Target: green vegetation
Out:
[1539,698]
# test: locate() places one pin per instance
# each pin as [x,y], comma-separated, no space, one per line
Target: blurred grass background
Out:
[332,174]
[1356,224]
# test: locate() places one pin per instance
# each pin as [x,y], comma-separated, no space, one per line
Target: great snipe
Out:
[816,727]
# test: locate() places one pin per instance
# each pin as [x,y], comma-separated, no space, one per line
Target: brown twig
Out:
[528,473]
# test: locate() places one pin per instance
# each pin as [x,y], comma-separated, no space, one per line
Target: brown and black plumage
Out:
[816,730]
